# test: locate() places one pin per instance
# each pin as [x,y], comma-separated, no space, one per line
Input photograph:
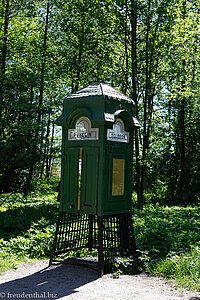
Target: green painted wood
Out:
[89,180]
[70,180]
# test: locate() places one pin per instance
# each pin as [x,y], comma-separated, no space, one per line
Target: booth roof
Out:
[99,89]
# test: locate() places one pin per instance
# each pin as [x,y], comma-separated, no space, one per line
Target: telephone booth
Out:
[98,124]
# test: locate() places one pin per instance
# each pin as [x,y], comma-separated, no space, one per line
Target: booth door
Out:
[89,177]
[80,180]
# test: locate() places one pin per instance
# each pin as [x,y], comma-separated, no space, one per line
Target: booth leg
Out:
[90,237]
[55,240]
[100,246]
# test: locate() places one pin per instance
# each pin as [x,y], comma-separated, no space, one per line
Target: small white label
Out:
[119,137]
[117,134]
[75,135]
[83,131]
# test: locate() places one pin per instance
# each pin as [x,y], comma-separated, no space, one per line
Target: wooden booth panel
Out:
[71,180]
[89,180]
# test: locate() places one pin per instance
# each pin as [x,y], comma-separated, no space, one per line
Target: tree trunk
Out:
[182,124]
[43,63]
[51,152]
[79,66]
[3,105]
[182,147]
[147,86]
[5,38]
[126,52]
[28,182]
[134,95]
[47,146]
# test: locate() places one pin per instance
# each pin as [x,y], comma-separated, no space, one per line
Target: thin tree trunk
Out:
[26,188]
[44,48]
[3,107]
[126,52]
[51,151]
[134,94]
[150,109]
[31,170]
[5,38]
[47,146]
[143,167]
[182,146]
[134,49]
[43,65]
[182,125]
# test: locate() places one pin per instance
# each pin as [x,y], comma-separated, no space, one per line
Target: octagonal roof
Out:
[99,89]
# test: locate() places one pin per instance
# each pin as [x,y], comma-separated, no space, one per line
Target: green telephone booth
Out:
[98,124]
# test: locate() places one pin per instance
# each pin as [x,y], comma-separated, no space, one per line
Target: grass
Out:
[183,268]
[168,238]
[13,261]
[168,243]
[27,225]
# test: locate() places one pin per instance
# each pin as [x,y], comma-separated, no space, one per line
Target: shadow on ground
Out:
[54,282]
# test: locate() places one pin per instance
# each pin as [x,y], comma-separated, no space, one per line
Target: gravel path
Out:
[38,281]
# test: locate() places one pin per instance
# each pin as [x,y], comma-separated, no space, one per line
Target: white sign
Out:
[83,131]
[117,134]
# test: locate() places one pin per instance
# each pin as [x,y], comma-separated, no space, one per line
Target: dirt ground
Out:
[38,281]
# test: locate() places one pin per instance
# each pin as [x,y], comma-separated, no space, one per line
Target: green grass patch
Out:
[12,262]
[28,225]
[184,268]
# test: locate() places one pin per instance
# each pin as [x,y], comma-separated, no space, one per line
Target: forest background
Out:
[148,49]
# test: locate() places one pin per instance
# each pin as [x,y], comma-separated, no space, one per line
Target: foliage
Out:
[35,243]
[183,268]
[28,224]
[124,265]
[161,230]
[167,240]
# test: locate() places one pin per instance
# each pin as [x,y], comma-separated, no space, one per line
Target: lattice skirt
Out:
[111,236]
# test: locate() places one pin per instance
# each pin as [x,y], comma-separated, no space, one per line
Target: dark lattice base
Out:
[112,236]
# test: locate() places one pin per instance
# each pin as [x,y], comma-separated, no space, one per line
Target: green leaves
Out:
[170,237]
[28,224]
[161,230]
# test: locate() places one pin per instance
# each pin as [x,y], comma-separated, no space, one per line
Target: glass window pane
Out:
[118,177]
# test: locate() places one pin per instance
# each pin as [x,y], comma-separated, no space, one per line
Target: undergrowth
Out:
[27,225]
[183,268]
[168,243]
